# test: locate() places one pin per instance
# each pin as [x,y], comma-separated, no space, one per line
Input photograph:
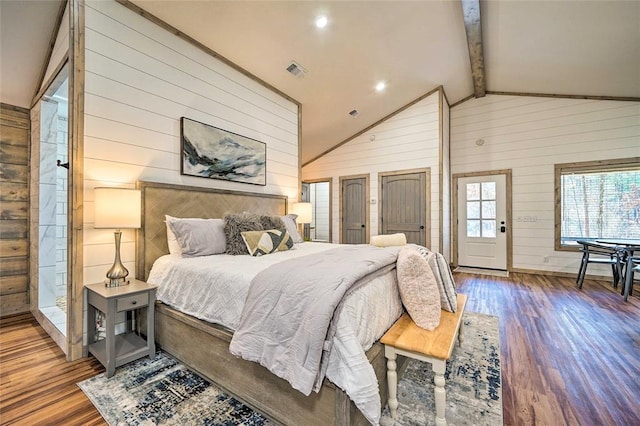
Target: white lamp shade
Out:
[303,210]
[117,208]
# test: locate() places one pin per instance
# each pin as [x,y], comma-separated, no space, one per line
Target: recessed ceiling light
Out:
[381,86]
[321,21]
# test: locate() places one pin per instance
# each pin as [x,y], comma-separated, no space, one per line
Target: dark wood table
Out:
[628,246]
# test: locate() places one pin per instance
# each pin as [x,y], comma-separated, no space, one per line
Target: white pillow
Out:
[388,240]
[292,228]
[418,289]
[196,237]
[172,241]
[444,278]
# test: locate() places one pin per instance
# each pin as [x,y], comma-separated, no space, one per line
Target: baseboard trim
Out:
[559,274]
[550,273]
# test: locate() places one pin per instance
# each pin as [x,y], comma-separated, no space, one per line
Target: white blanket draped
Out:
[214,288]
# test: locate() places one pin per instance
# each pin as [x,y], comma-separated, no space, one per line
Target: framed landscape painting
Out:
[214,153]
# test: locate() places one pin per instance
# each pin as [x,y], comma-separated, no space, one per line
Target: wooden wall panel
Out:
[14,173]
[14,210]
[14,117]
[13,154]
[529,135]
[13,247]
[13,228]
[13,284]
[14,196]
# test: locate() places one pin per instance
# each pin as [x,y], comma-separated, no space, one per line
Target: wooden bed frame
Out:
[203,346]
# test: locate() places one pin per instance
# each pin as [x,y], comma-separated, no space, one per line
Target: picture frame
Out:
[214,153]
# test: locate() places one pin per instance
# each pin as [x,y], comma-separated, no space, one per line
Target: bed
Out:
[204,346]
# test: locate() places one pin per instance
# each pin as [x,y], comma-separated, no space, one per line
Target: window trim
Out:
[614,165]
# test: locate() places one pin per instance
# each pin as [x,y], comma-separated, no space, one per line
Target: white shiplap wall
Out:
[408,140]
[60,47]
[140,79]
[529,135]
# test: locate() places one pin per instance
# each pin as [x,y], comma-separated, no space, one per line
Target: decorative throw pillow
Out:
[292,227]
[388,240]
[234,224]
[265,242]
[444,278]
[197,237]
[271,222]
[418,289]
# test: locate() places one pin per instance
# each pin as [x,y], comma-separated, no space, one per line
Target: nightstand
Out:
[116,350]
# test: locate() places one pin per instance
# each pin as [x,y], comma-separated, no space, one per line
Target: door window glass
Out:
[473,228]
[473,210]
[481,210]
[473,191]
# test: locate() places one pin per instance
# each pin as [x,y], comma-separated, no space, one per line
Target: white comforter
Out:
[214,288]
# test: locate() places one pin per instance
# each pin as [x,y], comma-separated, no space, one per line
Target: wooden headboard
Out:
[160,199]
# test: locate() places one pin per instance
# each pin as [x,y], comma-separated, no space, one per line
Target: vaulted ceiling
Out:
[589,48]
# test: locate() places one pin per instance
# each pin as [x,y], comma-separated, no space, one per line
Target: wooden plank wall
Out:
[14,199]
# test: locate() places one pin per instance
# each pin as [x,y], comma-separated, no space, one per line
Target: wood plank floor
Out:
[569,357]
[37,385]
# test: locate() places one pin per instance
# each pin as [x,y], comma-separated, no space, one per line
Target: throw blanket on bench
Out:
[288,319]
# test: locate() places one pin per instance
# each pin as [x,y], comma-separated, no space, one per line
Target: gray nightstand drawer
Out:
[132,302]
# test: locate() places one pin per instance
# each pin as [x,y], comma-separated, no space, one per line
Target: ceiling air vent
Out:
[354,113]
[296,70]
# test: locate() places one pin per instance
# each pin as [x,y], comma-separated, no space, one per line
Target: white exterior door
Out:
[482,221]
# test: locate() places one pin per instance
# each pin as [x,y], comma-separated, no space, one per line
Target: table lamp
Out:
[304,212]
[117,208]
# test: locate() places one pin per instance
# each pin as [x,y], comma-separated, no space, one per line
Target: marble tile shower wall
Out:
[47,200]
[62,208]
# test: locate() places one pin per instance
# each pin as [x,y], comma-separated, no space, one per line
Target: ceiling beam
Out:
[473,28]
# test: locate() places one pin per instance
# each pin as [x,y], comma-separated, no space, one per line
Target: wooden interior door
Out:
[403,206]
[354,202]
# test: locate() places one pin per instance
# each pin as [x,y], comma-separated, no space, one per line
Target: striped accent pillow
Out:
[264,242]
[444,278]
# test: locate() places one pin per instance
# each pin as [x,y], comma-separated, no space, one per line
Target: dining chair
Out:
[603,254]
[633,265]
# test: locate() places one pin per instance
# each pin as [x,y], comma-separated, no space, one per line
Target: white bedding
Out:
[214,288]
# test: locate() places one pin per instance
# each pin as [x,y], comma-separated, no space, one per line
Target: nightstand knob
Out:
[135,302]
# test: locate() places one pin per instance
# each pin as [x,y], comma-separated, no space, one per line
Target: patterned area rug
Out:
[473,381]
[164,391]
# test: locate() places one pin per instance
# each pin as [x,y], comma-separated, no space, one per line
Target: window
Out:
[599,199]
[481,209]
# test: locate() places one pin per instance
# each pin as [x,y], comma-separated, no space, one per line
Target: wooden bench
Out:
[407,339]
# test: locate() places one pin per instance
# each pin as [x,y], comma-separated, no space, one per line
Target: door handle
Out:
[421,226]
[503,228]
[362,226]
